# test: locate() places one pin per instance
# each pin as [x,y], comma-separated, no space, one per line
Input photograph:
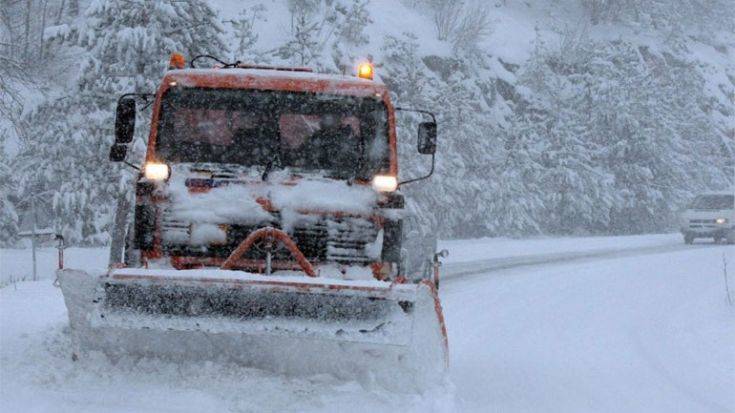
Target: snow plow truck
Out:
[268,230]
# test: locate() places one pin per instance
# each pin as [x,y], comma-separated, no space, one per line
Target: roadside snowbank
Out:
[486,248]
[17,264]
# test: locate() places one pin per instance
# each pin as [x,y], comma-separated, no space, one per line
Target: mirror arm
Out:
[427,176]
[136,167]
[433,156]
[142,96]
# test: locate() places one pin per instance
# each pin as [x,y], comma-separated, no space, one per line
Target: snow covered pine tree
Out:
[128,44]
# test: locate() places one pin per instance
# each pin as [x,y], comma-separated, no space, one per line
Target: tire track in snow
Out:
[659,366]
[552,299]
[453,271]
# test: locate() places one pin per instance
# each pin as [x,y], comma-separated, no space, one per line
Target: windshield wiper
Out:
[275,160]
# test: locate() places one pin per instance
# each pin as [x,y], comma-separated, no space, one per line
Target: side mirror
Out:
[427,138]
[125,121]
[118,151]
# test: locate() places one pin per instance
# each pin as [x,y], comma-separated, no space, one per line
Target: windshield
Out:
[345,135]
[714,202]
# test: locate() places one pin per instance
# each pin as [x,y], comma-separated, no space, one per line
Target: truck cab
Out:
[268,232]
[235,149]
[710,215]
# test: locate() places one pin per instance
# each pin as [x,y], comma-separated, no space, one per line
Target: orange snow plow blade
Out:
[292,324]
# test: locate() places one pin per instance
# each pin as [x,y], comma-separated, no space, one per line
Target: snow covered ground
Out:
[16,264]
[648,330]
[639,333]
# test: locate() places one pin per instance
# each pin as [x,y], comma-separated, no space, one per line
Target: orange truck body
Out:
[270,80]
[308,277]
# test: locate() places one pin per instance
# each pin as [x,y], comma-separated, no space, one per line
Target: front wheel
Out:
[730,237]
[688,239]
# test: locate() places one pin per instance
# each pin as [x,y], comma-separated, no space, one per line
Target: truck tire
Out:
[688,239]
[119,229]
[731,237]
[132,255]
[418,248]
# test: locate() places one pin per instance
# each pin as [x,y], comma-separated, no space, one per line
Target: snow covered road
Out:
[640,333]
[618,331]
[471,257]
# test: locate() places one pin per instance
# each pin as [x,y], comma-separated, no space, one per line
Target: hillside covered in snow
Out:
[555,116]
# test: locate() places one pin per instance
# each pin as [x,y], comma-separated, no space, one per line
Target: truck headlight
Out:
[721,221]
[156,171]
[385,183]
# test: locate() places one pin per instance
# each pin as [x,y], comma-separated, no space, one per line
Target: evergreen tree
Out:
[516,207]
[655,163]
[619,134]
[663,16]
[468,159]
[307,24]
[128,44]
[8,195]
[404,72]
[72,183]
[467,156]
[247,38]
[321,26]
[577,192]
[355,17]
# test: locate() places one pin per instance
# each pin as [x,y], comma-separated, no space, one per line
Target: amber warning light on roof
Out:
[177,61]
[365,70]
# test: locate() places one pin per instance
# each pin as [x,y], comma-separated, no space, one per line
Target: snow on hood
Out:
[325,195]
[226,204]
[235,201]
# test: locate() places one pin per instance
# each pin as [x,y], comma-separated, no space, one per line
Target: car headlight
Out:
[721,221]
[385,183]
[156,171]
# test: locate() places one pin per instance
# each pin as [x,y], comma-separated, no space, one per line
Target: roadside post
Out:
[37,235]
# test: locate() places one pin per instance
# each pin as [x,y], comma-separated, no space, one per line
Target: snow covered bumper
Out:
[294,324]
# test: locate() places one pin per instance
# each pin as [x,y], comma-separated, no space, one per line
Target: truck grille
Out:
[173,231]
[344,240]
[702,223]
